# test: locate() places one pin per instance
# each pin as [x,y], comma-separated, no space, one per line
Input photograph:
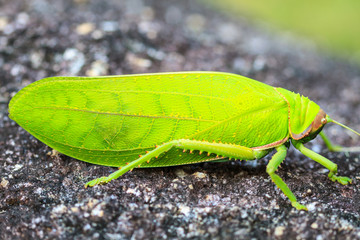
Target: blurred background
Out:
[332,25]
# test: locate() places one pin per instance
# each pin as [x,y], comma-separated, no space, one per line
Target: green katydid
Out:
[156,120]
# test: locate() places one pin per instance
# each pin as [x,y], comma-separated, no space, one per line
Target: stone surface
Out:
[42,194]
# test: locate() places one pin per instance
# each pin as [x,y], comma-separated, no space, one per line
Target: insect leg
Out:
[271,168]
[323,161]
[151,154]
[336,148]
[225,150]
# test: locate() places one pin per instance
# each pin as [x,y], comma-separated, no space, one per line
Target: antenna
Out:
[337,148]
[342,125]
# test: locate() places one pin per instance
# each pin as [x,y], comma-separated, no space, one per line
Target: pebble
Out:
[212,198]
[4,183]
[242,65]
[75,59]
[228,33]
[97,211]
[98,68]
[173,15]
[38,191]
[3,23]
[75,209]
[244,214]
[22,19]
[85,28]
[109,26]
[180,232]
[199,175]
[97,34]
[36,59]
[60,209]
[183,209]
[259,64]
[316,148]
[312,206]
[148,14]
[138,61]
[279,231]
[17,69]
[87,227]
[319,237]
[9,152]
[314,225]
[17,167]
[133,191]
[180,173]
[195,23]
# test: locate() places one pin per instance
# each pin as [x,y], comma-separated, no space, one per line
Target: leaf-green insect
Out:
[167,119]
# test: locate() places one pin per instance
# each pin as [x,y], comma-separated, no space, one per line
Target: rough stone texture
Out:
[42,196]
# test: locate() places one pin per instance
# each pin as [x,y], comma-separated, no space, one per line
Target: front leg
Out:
[323,161]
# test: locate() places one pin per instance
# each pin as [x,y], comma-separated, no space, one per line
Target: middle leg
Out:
[271,168]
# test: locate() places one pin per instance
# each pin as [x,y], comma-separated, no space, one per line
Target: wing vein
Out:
[127,115]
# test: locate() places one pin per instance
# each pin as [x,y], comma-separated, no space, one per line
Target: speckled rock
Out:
[42,194]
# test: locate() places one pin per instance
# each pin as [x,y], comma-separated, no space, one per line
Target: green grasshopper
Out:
[168,119]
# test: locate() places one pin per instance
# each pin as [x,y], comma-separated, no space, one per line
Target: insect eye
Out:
[323,120]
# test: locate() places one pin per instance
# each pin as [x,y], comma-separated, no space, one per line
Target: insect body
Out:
[156,120]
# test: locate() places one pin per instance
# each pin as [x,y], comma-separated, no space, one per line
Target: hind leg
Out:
[225,150]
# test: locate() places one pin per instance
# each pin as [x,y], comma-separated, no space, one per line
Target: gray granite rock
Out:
[42,196]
